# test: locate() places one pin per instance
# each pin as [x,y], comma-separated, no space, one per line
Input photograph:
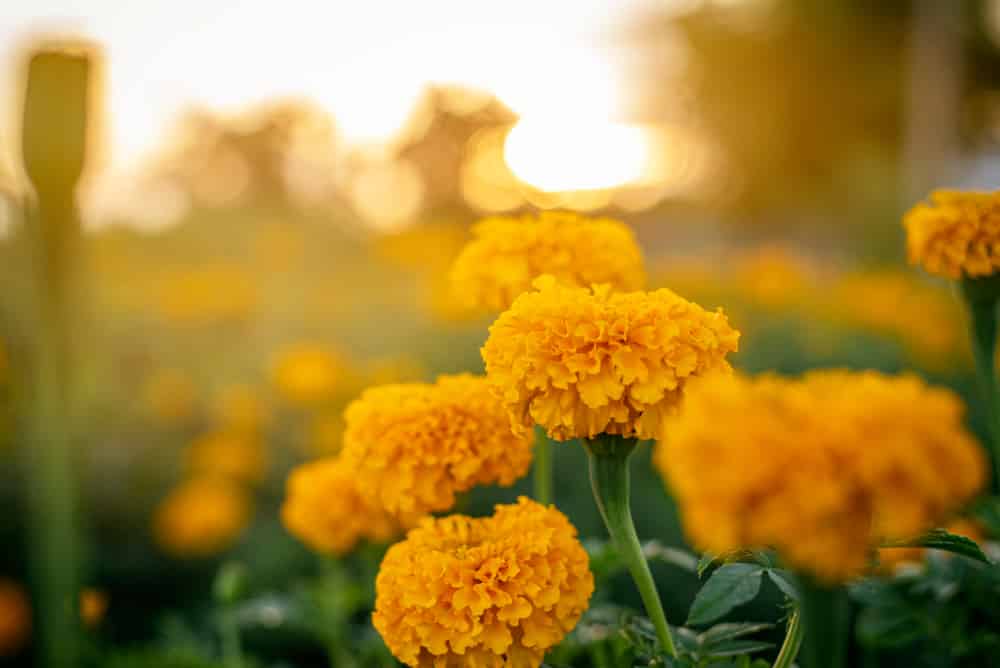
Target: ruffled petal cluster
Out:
[201,517]
[495,592]
[324,509]
[956,234]
[508,253]
[821,468]
[585,361]
[415,445]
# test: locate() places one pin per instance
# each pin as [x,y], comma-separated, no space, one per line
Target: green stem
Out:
[232,649]
[793,641]
[609,478]
[983,330]
[543,467]
[826,616]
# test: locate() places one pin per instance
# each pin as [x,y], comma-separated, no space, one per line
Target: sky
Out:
[364,61]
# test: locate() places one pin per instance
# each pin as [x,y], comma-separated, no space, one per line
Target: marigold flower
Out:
[822,468]
[170,396]
[581,362]
[956,234]
[494,592]
[306,373]
[415,445]
[201,517]
[241,457]
[325,510]
[238,407]
[93,606]
[15,617]
[508,253]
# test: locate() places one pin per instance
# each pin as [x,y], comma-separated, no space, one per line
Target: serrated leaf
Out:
[730,586]
[939,539]
[783,581]
[724,632]
[704,563]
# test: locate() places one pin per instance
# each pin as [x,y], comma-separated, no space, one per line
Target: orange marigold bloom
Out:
[93,606]
[15,617]
[508,253]
[495,592]
[306,373]
[201,517]
[415,445]
[241,457]
[581,362]
[325,510]
[823,468]
[956,234]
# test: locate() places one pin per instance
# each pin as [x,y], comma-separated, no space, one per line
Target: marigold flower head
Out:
[415,445]
[957,233]
[325,510]
[306,373]
[201,517]
[585,361]
[508,253]
[93,606]
[229,454]
[15,617]
[495,592]
[170,396]
[238,407]
[821,468]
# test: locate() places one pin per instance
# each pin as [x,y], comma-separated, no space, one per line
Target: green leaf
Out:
[723,632]
[730,586]
[739,648]
[939,539]
[783,581]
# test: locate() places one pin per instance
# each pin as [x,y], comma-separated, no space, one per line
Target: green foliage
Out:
[940,539]
[944,615]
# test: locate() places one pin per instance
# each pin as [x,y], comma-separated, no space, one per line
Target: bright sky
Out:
[365,61]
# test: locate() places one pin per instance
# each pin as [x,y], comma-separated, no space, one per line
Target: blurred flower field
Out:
[299,404]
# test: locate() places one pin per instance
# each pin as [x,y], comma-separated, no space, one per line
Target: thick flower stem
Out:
[609,478]
[543,467]
[793,641]
[826,617]
[982,295]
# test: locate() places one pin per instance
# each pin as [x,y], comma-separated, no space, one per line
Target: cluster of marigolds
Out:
[824,468]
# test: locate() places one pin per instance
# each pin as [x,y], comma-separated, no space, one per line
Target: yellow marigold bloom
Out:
[325,510]
[957,233]
[306,373]
[15,617]
[508,253]
[495,592]
[238,407]
[928,321]
[201,517]
[238,456]
[416,445]
[581,362]
[822,468]
[207,295]
[93,606]
[170,396]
